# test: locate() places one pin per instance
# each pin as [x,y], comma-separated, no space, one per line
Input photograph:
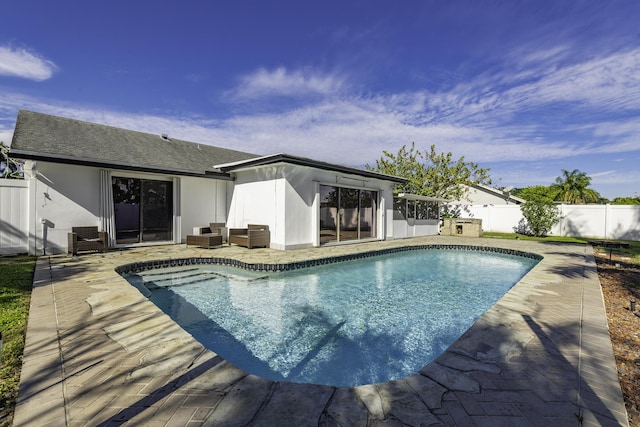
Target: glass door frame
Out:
[173,199]
[333,213]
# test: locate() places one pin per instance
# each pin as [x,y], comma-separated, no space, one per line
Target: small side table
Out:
[204,240]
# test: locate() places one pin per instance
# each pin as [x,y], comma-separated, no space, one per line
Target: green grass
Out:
[16,279]
[513,236]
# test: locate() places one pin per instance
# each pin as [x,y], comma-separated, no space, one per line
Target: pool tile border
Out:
[263,267]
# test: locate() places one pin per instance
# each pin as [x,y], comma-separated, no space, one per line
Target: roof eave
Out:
[301,161]
[408,196]
[28,155]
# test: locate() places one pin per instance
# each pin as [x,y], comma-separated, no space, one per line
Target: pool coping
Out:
[98,352]
[281,267]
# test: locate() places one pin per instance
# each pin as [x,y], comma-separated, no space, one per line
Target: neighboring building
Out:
[150,189]
[479,194]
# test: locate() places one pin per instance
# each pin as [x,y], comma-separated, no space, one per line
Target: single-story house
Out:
[148,189]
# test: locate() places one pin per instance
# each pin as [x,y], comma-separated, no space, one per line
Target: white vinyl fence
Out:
[620,222]
[14,216]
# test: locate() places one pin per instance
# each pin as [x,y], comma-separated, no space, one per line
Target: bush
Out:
[541,215]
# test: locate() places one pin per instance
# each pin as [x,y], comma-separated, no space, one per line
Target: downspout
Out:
[33,194]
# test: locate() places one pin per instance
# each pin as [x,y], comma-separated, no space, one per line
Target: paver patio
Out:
[99,353]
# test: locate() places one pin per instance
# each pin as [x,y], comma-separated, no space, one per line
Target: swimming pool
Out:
[350,323]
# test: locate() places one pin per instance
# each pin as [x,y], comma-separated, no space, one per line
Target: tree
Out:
[541,215]
[431,173]
[626,201]
[537,193]
[9,168]
[572,188]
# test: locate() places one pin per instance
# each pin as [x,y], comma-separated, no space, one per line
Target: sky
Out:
[525,88]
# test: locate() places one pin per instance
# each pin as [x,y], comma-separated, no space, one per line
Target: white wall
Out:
[620,222]
[300,220]
[283,196]
[203,201]
[265,196]
[14,216]
[411,227]
[498,218]
[623,222]
[254,200]
[65,196]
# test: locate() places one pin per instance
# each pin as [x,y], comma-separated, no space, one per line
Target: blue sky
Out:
[525,88]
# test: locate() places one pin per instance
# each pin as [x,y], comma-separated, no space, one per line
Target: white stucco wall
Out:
[300,217]
[66,196]
[403,228]
[257,197]
[284,197]
[63,196]
[203,201]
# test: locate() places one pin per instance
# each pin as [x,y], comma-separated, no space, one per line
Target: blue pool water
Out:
[345,324]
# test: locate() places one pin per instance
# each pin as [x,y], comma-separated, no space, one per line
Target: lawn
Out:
[513,236]
[16,279]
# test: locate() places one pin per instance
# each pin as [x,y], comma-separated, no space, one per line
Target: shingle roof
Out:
[45,137]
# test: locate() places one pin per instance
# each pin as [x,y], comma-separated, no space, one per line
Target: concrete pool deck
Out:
[99,353]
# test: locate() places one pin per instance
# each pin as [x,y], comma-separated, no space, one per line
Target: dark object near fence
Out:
[87,239]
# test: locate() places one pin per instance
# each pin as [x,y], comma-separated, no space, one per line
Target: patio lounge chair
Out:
[252,236]
[213,228]
[87,239]
[208,237]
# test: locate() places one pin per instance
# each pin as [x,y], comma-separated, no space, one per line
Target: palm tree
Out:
[572,188]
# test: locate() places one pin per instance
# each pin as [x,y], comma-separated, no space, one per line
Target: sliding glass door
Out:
[368,213]
[328,214]
[347,214]
[143,210]
[349,219]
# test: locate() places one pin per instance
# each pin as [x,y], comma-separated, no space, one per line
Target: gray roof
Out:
[44,137]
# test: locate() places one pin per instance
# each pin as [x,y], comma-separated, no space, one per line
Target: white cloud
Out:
[602,174]
[24,64]
[322,130]
[282,82]
[611,83]
[6,136]
[474,119]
